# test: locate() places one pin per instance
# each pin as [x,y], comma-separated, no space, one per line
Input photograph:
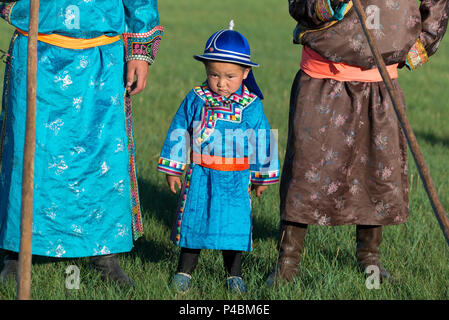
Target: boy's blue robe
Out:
[214,210]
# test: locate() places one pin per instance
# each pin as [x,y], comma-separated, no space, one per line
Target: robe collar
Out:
[242,96]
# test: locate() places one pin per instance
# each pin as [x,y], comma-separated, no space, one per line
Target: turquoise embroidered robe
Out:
[214,210]
[85,197]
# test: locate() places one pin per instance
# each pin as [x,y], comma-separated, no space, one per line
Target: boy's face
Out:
[225,78]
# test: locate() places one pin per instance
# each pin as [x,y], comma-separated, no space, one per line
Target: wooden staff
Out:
[402,117]
[26,226]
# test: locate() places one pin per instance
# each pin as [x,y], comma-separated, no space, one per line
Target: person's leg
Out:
[233,264]
[188,260]
[109,269]
[10,266]
[290,247]
[368,239]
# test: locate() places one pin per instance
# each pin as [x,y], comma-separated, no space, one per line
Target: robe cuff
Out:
[417,56]
[171,167]
[325,12]
[5,11]
[264,177]
[143,46]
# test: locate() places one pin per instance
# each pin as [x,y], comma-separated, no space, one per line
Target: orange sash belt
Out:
[220,163]
[317,67]
[73,43]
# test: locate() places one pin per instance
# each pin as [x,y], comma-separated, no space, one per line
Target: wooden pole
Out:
[429,186]
[26,226]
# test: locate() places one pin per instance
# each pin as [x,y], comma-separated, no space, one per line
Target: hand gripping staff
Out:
[26,225]
[402,117]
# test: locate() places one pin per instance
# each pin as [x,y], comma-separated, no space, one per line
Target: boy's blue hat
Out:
[231,46]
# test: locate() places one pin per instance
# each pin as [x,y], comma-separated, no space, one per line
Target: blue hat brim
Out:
[226,59]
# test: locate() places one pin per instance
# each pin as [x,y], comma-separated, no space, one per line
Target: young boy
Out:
[223,123]
[346,157]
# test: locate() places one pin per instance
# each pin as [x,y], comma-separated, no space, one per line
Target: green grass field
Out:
[416,251]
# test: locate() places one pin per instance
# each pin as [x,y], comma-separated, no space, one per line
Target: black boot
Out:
[368,239]
[290,247]
[109,269]
[10,267]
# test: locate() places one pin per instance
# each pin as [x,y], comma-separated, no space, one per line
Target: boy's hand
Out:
[259,189]
[173,181]
[137,69]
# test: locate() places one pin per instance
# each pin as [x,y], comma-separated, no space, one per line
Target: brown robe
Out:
[346,158]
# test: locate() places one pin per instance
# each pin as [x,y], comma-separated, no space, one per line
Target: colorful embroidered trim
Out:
[6,95]
[207,127]
[249,194]
[323,10]
[264,178]
[417,56]
[171,167]
[301,30]
[6,12]
[341,10]
[135,204]
[176,232]
[220,108]
[215,100]
[143,46]
[251,206]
